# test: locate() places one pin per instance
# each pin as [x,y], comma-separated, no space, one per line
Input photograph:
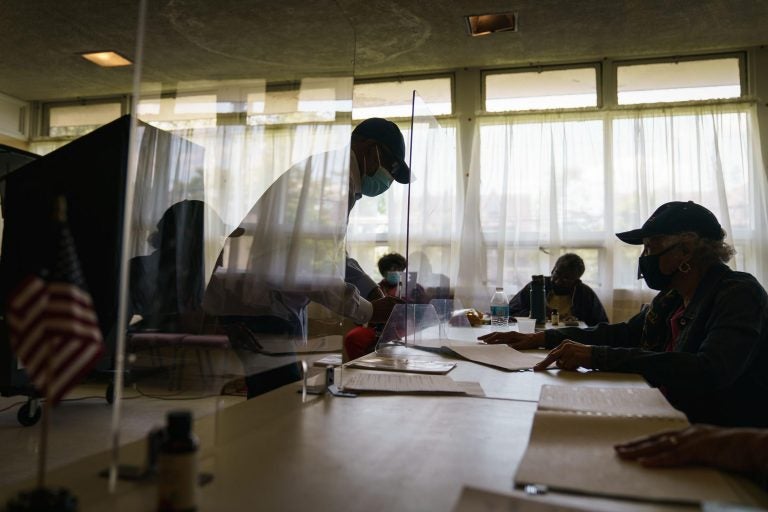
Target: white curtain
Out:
[542,185]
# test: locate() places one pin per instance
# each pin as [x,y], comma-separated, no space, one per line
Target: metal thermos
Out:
[538,300]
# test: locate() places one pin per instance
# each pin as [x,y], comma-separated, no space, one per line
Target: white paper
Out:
[402,383]
[617,401]
[500,356]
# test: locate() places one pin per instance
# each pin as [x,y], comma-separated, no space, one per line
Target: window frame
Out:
[741,56]
[596,66]
[44,132]
[412,78]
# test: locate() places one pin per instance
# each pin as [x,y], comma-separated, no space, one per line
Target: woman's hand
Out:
[743,450]
[569,355]
[514,339]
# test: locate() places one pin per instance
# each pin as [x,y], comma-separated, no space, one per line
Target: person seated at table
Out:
[703,340]
[361,340]
[739,450]
[565,292]
[390,266]
[167,285]
[437,286]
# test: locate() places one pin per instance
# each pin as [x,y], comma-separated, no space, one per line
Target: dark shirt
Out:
[585,304]
[718,370]
[417,295]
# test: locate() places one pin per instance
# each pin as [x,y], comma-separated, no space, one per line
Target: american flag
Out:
[52,323]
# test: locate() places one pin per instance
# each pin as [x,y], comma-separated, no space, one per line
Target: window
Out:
[543,183]
[181,112]
[541,90]
[679,81]
[394,99]
[77,120]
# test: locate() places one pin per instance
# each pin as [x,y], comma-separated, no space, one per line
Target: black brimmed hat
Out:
[673,218]
[388,134]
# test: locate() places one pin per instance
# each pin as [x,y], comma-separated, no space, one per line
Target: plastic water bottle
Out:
[499,308]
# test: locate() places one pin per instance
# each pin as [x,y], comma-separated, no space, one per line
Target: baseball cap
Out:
[388,134]
[673,218]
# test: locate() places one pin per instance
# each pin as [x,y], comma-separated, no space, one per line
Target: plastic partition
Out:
[90,177]
[236,214]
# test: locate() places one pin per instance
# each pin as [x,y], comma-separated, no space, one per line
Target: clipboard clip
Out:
[535,489]
[328,386]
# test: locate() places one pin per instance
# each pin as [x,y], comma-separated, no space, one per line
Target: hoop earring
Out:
[684,267]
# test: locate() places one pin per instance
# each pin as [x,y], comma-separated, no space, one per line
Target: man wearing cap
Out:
[704,339]
[292,251]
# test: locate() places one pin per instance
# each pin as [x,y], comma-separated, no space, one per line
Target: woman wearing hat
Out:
[703,339]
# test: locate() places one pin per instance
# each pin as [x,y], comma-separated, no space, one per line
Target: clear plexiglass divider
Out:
[235,227]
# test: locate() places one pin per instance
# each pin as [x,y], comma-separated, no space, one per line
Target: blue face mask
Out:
[377,184]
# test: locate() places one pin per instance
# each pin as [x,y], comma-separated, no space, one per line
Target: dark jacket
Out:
[718,370]
[585,304]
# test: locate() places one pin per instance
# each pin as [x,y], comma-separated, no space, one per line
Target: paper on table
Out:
[403,364]
[402,383]
[628,402]
[329,360]
[574,452]
[500,356]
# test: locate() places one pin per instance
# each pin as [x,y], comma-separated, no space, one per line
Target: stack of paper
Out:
[403,364]
[571,447]
[408,383]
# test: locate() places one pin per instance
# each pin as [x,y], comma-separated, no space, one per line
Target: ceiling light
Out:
[106,59]
[484,24]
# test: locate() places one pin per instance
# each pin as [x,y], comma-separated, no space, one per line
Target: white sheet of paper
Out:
[574,452]
[628,402]
[500,356]
[402,383]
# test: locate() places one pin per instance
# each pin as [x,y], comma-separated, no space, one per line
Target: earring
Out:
[684,267]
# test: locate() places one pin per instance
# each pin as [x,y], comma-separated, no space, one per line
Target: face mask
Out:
[393,277]
[377,184]
[648,268]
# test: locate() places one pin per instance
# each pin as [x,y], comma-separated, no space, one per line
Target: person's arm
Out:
[355,275]
[733,334]
[627,333]
[624,334]
[520,304]
[743,450]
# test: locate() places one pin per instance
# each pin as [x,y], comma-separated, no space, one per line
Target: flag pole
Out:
[41,498]
[60,217]
[42,455]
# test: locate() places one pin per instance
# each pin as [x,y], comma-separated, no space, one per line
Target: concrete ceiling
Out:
[285,40]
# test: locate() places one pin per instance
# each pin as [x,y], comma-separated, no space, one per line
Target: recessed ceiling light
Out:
[484,24]
[106,59]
